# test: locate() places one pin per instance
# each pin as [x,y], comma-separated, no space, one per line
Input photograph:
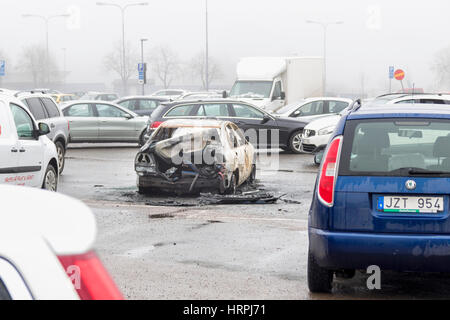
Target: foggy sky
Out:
[410,34]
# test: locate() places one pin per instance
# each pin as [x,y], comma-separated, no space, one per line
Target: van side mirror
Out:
[224,94]
[283,95]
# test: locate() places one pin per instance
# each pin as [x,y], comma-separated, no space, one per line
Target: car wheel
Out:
[295,142]
[50,179]
[61,151]
[319,279]
[233,185]
[252,177]
[144,191]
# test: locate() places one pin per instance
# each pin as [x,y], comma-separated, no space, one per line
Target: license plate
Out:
[411,204]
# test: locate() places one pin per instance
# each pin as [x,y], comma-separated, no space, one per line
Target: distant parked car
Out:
[46,249]
[314,108]
[103,96]
[263,125]
[61,98]
[399,98]
[170,93]
[201,95]
[141,105]
[98,121]
[44,109]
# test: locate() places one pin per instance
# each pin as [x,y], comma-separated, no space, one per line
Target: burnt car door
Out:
[260,128]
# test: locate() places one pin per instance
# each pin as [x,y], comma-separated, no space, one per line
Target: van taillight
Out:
[329,172]
[155,125]
[90,278]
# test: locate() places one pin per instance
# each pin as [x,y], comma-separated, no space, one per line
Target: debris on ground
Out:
[253,197]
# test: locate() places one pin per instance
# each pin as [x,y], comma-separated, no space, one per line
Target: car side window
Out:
[277,91]
[129,104]
[336,106]
[181,111]
[148,104]
[51,108]
[215,110]
[310,109]
[432,101]
[406,101]
[36,108]
[24,123]
[244,111]
[108,111]
[79,110]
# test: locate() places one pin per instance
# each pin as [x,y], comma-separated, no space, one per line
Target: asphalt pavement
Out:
[194,251]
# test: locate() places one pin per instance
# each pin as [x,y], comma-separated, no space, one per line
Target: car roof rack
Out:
[355,106]
[17,94]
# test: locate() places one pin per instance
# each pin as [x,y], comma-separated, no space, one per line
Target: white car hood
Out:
[323,123]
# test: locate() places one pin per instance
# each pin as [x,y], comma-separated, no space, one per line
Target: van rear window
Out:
[396,147]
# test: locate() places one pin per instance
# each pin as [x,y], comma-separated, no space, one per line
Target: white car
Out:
[172,94]
[46,249]
[397,98]
[29,158]
[318,133]
[314,108]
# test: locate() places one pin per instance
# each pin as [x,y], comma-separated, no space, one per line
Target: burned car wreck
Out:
[191,156]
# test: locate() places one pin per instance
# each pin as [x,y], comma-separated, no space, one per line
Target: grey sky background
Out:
[410,34]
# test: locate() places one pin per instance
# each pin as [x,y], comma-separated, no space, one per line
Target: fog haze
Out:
[407,35]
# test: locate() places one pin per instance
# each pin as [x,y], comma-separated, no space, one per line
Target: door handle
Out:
[14,150]
[22,150]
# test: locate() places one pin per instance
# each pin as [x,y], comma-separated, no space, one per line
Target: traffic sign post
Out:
[2,68]
[399,75]
[391,76]
[142,69]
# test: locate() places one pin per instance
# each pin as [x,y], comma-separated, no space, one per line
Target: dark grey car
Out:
[141,105]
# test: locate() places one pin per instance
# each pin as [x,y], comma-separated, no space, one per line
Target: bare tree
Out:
[34,62]
[113,62]
[441,67]
[165,64]
[198,67]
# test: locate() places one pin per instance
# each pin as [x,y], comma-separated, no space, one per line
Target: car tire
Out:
[295,142]
[144,191]
[252,177]
[233,185]
[319,279]
[61,151]
[50,182]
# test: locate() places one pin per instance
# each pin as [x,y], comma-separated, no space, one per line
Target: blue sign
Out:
[391,72]
[142,68]
[2,68]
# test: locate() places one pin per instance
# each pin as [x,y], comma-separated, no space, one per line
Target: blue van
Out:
[382,194]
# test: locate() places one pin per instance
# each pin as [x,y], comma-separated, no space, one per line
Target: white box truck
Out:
[273,82]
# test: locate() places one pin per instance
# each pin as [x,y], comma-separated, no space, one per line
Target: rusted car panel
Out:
[195,155]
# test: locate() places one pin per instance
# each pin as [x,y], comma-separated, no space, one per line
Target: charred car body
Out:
[187,156]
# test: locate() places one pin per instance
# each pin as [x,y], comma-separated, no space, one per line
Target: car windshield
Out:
[252,89]
[396,147]
[212,134]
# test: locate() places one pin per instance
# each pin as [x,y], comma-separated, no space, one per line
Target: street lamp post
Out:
[64,68]
[46,20]
[122,10]
[325,29]
[142,61]
[207,49]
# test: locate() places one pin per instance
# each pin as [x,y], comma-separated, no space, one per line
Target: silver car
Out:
[99,121]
